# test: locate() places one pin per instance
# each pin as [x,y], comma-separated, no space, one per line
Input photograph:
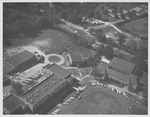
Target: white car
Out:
[54,113]
[72,98]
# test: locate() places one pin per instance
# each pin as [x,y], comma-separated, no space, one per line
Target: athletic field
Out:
[99,100]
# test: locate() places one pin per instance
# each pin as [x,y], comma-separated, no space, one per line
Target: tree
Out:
[122,38]
[108,52]
[102,38]
[106,76]
[64,14]
[98,15]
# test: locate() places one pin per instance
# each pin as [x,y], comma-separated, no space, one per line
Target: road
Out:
[106,24]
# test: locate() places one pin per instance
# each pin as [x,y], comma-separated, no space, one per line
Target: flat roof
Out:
[7,67]
[144,78]
[20,58]
[5,77]
[76,57]
[60,71]
[11,102]
[123,66]
[133,79]
[126,56]
[103,59]
[42,89]
[102,67]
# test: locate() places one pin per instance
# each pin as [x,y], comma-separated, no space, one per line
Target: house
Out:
[75,59]
[85,52]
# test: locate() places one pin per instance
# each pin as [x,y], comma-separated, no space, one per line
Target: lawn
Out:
[51,40]
[137,27]
[99,100]
[136,110]
[54,59]
[79,32]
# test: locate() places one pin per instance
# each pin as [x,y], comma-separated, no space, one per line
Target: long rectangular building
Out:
[121,71]
[43,91]
[112,73]
[122,66]
[20,61]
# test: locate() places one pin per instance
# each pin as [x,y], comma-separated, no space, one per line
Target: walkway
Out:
[106,24]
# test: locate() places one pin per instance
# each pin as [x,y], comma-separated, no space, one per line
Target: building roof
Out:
[12,102]
[39,91]
[101,67]
[144,78]
[76,57]
[87,53]
[20,58]
[7,67]
[133,79]
[139,73]
[125,55]
[5,77]
[103,59]
[122,66]
[57,70]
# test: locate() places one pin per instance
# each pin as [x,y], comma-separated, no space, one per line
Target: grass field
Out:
[138,27]
[136,110]
[54,59]
[98,102]
[51,40]
[79,32]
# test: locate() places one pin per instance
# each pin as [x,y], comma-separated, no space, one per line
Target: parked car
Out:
[79,97]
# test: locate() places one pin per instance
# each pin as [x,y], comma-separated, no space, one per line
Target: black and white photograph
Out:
[74,58]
